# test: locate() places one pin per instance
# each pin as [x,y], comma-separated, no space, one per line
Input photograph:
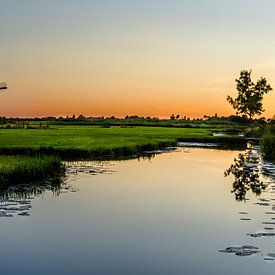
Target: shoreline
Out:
[120,152]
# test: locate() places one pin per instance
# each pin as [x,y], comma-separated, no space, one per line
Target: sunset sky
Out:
[119,57]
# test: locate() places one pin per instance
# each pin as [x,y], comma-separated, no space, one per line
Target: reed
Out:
[268,144]
[19,169]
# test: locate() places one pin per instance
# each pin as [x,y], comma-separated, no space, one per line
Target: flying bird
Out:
[3,86]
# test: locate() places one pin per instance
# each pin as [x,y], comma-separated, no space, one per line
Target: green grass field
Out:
[96,141]
[94,137]
[79,142]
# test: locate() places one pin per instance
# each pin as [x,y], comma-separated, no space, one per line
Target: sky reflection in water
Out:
[167,215]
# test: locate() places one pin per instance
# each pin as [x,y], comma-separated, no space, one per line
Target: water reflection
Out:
[246,172]
[16,199]
[251,172]
[167,216]
[88,168]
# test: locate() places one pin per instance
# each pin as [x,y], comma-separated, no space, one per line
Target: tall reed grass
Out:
[268,144]
[19,169]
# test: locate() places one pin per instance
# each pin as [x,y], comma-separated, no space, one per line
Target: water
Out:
[170,214]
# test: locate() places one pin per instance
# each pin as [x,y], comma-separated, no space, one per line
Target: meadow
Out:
[72,142]
[98,141]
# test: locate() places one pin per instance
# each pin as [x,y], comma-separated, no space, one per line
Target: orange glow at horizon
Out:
[145,59]
[195,107]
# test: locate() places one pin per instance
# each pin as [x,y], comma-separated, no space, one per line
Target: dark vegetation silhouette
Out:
[32,188]
[250,95]
[232,123]
[268,142]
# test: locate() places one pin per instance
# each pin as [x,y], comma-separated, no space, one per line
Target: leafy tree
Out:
[250,95]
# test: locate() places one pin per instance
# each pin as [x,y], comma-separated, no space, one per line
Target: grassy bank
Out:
[80,142]
[268,143]
[16,169]
[93,141]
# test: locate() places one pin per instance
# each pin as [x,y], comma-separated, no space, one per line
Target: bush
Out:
[15,170]
[268,144]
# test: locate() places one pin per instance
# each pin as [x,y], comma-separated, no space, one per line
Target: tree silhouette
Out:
[172,117]
[250,95]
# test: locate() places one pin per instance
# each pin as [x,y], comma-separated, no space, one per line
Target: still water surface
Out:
[167,215]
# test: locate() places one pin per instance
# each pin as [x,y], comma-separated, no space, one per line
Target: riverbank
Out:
[76,142]
[18,169]
[90,142]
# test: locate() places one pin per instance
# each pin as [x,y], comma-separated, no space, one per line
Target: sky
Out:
[125,57]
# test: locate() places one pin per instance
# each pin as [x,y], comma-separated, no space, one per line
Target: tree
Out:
[172,117]
[250,95]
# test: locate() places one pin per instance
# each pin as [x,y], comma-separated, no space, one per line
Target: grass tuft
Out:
[268,145]
[18,169]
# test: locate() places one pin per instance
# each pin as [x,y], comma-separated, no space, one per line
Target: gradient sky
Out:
[119,57]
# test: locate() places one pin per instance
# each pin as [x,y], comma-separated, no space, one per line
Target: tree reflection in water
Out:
[246,171]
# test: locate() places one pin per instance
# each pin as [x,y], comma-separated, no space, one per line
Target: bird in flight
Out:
[3,86]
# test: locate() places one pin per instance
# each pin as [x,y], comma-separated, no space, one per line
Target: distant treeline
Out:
[173,121]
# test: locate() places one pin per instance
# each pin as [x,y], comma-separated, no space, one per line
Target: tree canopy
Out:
[250,95]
